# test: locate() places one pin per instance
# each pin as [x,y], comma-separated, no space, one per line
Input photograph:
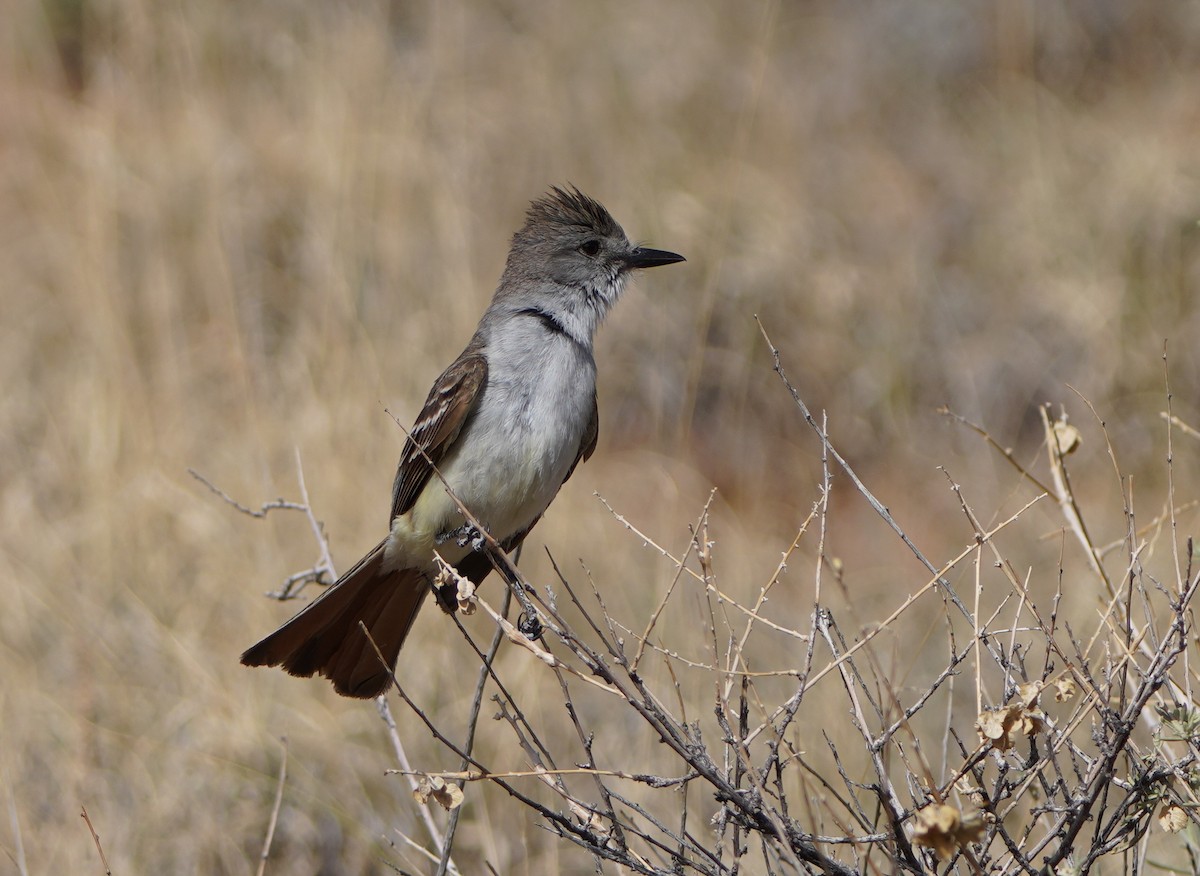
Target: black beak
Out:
[651,258]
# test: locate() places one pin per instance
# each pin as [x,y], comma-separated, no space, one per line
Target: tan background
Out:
[229,231]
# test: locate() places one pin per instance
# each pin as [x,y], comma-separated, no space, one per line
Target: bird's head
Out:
[570,241]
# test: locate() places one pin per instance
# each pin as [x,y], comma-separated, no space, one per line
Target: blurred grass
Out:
[231,230]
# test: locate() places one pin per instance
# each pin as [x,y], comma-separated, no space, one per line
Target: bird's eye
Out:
[590,247]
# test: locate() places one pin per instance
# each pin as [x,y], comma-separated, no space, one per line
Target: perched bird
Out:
[505,425]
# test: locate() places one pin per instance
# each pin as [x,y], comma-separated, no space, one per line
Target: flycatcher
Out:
[505,425]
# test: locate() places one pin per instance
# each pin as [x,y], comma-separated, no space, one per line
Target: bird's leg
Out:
[464,535]
[528,624]
[468,535]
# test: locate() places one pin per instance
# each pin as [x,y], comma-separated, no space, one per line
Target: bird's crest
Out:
[572,208]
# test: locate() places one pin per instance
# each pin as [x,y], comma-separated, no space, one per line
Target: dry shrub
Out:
[1072,743]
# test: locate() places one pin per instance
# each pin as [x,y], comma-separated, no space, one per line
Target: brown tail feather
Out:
[324,638]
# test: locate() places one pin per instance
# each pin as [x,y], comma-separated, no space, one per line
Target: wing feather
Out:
[446,410]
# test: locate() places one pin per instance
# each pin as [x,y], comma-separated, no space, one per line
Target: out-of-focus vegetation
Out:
[231,231]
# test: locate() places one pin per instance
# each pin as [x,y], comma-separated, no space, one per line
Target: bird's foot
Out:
[469,535]
[464,536]
[530,627]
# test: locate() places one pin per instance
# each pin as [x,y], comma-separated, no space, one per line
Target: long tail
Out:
[324,638]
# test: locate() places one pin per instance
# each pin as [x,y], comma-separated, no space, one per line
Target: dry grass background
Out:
[232,230]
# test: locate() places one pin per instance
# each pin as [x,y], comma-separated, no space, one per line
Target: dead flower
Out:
[467,603]
[447,794]
[995,726]
[1067,437]
[945,829]
[1172,818]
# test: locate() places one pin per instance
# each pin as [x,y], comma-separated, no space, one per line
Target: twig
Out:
[15,822]
[323,567]
[1065,496]
[472,722]
[318,530]
[266,849]
[95,839]
[878,506]
[908,603]
[679,563]
[1183,427]
[423,810]
[662,603]
[1005,452]
[263,510]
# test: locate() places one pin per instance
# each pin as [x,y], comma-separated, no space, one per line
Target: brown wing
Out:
[446,409]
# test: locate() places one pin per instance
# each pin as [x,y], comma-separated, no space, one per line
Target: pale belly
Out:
[503,505]
[508,466]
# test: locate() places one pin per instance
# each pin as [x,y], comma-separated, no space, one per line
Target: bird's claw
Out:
[468,534]
[529,626]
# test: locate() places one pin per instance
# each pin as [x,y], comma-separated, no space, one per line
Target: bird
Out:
[502,429]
